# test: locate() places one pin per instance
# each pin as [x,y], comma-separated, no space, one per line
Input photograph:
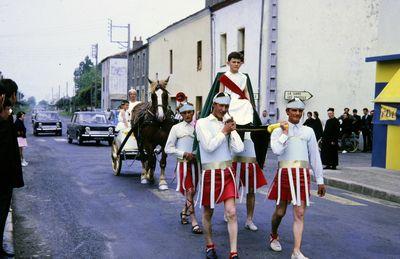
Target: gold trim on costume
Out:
[217,165]
[243,159]
[293,164]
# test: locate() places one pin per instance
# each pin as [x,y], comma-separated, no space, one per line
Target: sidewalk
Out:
[372,181]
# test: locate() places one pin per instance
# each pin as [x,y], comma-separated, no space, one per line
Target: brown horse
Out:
[152,123]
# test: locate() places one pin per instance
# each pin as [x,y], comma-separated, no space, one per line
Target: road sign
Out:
[302,95]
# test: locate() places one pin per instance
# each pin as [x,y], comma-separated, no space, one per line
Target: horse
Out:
[151,123]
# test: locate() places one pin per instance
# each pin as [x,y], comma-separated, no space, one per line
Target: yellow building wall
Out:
[182,39]
[393,147]
[385,71]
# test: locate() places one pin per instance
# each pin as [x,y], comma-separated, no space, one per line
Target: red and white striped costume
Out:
[248,172]
[180,140]
[218,176]
[297,154]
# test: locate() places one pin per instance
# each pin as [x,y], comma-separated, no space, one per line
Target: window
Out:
[134,67]
[199,57]
[170,61]
[241,41]
[222,42]
[139,68]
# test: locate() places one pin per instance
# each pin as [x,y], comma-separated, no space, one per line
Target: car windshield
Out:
[92,118]
[47,116]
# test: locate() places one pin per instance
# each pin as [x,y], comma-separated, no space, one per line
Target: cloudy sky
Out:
[43,41]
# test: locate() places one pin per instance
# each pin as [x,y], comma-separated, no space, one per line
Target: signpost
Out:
[302,95]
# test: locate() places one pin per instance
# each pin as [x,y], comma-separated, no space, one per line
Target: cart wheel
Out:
[115,160]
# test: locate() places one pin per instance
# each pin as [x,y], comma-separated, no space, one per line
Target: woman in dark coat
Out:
[330,136]
[21,135]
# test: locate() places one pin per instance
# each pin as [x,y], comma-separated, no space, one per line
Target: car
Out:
[87,126]
[46,122]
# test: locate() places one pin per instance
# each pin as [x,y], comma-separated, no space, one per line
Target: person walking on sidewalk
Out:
[297,150]
[217,138]
[10,160]
[180,143]
[21,135]
[330,137]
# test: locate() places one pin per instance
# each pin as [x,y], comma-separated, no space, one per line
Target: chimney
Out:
[137,43]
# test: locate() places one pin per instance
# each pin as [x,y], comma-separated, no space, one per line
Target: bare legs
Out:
[250,204]
[230,212]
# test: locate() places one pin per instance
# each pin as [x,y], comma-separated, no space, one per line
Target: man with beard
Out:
[330,136]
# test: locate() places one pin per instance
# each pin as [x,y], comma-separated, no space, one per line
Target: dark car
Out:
[87,126]
[46,122]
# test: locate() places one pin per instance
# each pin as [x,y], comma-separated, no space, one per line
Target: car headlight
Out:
[40,124]
[58,124]
[110,130]
[87,129]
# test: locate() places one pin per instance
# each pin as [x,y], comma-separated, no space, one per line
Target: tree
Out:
[31,101]
[43,103]
[84,66]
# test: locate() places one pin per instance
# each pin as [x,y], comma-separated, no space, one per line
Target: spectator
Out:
[309,121]
[346,111]
[330,136]
[366,126]
[10,160]
[318,126]
[21,135]
[346,127]
[265,119]
[356,123]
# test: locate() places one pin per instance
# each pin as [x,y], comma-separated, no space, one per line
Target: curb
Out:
[362,189]
[8,233]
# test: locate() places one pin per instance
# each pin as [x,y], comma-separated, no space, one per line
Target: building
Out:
[236,26]
[139,69]
[113,80]
[320,47]
[182,51]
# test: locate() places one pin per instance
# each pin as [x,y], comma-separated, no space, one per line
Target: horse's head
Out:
[159,98]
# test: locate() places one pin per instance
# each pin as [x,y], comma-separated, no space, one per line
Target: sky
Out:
[43,41]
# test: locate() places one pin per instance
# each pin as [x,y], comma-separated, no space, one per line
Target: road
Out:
[74,207]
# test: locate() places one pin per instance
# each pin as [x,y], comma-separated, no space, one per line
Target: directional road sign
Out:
[302,95]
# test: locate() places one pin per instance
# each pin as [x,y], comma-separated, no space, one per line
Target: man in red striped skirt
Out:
[297,150]
[180,144]
[217,138]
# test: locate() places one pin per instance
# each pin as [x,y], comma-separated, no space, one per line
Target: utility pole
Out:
[124,44]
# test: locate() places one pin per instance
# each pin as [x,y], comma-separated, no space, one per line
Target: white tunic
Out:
[121,117]
[214,145]
[180,139]
[300,144]
[240,109]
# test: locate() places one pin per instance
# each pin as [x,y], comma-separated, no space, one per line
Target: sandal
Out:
[196,229]
[184,220]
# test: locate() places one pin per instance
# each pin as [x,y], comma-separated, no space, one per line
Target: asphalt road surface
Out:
[74,207]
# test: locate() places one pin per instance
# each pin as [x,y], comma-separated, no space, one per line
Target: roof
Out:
[391,92]
[180,22]
[118,55]
[383,58]
[132,51]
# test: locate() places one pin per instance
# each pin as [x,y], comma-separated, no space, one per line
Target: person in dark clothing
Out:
[330,136]
[21,135]
[366,125]
[356,123]
[10,160]
[346,128]
[309,121]
[317,126]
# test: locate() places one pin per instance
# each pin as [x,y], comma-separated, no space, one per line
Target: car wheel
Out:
[110,142]
[35,132]
[69,139]
[116,160]
[97,142]
[59,133]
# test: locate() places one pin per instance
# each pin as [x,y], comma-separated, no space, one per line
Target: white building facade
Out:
[114,82]
[182,52]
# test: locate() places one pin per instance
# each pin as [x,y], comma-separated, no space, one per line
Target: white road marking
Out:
[60,139]
[41,140]
[337,199]
[373,200]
